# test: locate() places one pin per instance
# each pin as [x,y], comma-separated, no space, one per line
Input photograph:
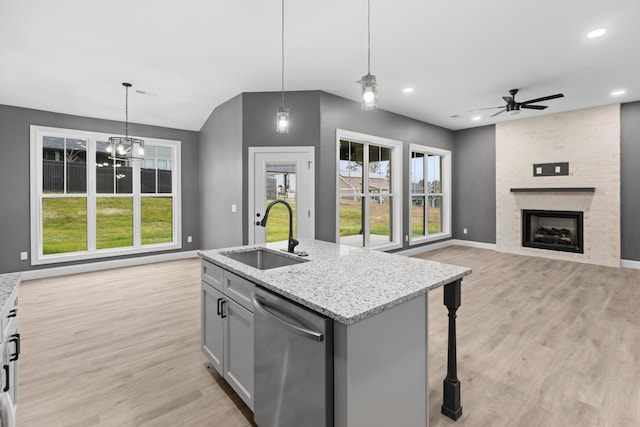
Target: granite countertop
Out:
[8,283]
[344,283]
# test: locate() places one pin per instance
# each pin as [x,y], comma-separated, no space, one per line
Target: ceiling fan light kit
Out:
[512,107]
[125,148]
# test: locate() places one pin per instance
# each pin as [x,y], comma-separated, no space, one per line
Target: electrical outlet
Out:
[24,256]
[234,208]
[464,230]
[189,239]
[406,238]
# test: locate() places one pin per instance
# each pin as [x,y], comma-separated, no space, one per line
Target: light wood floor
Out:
[540,343]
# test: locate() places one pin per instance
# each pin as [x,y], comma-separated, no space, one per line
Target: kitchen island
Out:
[378,304]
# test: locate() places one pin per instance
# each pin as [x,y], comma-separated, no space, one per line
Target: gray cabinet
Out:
[9,355]
[212,326]
[227,327]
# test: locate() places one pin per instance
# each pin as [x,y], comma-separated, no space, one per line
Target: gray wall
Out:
[630,180]
[474,184]
[14,175]
[341,113]
[259,130]
[220,167]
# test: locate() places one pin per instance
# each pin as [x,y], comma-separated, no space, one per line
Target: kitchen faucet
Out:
[292,242]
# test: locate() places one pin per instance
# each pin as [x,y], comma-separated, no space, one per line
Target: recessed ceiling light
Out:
[596,33]
[618,92]
[408,90]
[476,118]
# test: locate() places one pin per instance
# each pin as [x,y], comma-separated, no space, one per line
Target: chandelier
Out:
[125,148]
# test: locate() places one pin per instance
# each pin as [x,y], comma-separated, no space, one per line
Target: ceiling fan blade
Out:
[499,112]
[488,108]
[534,107]
[544,98]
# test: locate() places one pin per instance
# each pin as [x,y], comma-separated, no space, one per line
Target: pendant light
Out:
[368,82]
[282,115]
[125,148]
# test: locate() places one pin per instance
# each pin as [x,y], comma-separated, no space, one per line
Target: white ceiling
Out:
[71,56]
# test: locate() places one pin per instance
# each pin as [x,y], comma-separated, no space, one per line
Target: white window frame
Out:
[37,258]
[396,186]
[446,194]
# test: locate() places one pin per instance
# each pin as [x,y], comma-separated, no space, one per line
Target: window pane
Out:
[351,221]
[157,219]
[417,172]
[281,184]
[379,171]
[380,220]
[114,222]
[417,216]
[435,214]
[104,169]
[434,168]
[148,173]
[351,159]
[76,162]
[52,165]
[64,225]
[164,166]
[124,175]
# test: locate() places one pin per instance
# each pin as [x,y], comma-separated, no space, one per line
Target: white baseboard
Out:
[426,248]
[445,244]
[472,244]
[105,265]
[627,263]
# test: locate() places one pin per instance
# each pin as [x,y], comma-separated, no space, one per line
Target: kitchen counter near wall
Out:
[8,283]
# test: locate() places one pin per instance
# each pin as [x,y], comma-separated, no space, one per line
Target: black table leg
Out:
[451,385]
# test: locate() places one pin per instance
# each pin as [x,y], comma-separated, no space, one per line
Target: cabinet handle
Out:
[222,308]
[15,338]
[7,386]
[219,310]
[13,313]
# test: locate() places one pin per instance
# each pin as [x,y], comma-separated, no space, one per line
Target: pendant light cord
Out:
[368,36]
[282,53]
[126,113]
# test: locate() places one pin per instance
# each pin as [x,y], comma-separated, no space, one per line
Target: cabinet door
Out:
[211,326]
[238,353]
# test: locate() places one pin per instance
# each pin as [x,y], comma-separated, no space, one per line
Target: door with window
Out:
[281,173]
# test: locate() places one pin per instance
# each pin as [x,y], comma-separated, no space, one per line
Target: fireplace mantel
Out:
[554,190]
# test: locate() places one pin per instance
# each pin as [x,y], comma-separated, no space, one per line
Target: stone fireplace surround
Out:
[589,140]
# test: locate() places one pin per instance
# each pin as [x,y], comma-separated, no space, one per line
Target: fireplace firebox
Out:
[553,230]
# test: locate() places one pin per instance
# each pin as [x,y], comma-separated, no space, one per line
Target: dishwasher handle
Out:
[298,330]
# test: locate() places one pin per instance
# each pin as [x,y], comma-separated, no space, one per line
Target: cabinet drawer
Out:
[238,289]
[212,274]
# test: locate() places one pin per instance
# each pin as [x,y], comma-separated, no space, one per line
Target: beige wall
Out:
[589,140]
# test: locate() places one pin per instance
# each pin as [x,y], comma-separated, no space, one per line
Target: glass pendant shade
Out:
[282,120]
[369,92]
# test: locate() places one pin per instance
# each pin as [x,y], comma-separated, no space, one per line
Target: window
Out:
[85,205]
[430,201]
[369,191]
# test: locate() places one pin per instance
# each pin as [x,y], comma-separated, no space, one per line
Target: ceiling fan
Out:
[514,107]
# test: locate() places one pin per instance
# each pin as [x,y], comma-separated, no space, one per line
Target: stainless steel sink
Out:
[263,259]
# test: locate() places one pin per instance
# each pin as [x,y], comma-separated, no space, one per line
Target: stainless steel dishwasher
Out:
[293,359]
